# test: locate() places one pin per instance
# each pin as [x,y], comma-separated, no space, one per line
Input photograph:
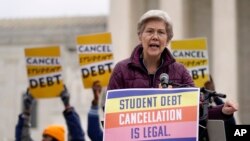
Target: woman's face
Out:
[153,38]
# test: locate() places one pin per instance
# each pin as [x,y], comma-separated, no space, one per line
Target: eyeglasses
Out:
[158,32]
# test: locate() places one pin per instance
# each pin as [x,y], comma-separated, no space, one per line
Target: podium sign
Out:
[152,114]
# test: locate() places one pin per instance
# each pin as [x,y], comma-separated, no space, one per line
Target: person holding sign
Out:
[151,58]
[51,132]
[95,132]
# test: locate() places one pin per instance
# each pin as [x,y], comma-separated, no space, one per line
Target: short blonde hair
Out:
[156,14]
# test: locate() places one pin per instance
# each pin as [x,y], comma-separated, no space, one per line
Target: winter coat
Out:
[131,73]
[95,132]
[75,130]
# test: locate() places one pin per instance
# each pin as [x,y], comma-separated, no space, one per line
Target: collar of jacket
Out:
[166,56]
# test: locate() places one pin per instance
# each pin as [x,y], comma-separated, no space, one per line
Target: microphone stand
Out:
[205,97]
[178,85]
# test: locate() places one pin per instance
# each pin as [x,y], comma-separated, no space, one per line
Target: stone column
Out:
[122,24]
[178,11]
[225,48]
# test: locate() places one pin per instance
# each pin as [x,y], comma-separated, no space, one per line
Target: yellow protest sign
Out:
[192,53]
[44,71]
[95,58]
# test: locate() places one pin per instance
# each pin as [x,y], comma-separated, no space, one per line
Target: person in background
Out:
[52,132]
[151,57]
[95,131]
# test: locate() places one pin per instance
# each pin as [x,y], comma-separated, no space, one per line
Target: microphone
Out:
[212,93]
[164,78]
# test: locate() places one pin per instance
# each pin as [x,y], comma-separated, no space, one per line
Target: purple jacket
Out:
[131,73]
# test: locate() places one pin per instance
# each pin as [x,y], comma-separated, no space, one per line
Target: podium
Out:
[152,114]
[216,130]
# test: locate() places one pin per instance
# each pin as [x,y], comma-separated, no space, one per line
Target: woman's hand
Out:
[229,108]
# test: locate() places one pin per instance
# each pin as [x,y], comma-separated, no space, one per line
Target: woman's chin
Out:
[154,54]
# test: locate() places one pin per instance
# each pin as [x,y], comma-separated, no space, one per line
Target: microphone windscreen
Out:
[164,78]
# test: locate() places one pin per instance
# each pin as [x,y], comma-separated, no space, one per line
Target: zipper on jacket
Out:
[151,80]
[154,81]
